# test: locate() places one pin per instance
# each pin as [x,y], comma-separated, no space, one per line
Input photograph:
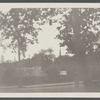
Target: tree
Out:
[19,28]
[79,32]
[44,58]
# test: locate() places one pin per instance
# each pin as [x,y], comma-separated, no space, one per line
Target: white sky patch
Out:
[46,39]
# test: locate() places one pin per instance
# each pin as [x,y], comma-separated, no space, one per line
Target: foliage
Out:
[79,31]
[19,27]
[44,58]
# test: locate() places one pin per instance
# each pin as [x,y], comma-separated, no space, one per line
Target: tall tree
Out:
[19,27]
[80,34]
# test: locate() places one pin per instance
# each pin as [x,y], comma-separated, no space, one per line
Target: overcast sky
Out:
[46,39]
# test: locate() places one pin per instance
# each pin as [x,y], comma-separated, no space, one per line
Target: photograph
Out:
[49,48]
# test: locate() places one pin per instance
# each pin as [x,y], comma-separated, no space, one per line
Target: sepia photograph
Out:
[49,48]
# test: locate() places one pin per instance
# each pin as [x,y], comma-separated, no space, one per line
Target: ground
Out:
[60,87]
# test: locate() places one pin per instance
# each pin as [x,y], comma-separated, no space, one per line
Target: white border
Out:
[50,5]
[50,95]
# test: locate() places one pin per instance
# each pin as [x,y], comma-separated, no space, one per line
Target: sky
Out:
[46,36]
[46,39]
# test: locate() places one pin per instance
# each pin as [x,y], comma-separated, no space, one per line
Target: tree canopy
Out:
[79,30]
[20,27]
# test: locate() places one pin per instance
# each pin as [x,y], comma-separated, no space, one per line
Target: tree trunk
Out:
[18,51]
[85,70]
[19,67]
